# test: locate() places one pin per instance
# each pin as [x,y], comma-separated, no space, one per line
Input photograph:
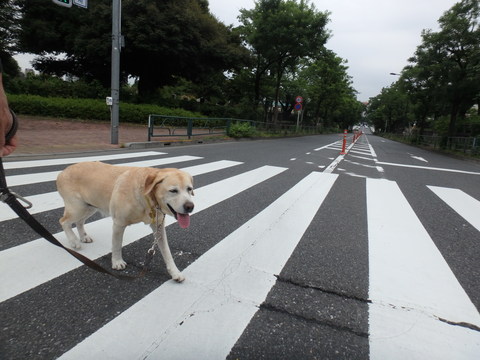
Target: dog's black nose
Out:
[188,207]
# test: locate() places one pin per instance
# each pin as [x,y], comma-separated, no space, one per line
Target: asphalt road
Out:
[293,251]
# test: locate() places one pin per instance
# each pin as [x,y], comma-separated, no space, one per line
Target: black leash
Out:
[11,200]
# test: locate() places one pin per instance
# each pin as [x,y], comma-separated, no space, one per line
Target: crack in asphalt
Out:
[461,324]
[327,291]
[331,324]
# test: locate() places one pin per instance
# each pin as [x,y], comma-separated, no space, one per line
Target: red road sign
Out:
[298,106]
[299,99]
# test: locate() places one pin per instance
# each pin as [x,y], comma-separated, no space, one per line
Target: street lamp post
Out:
[115,81]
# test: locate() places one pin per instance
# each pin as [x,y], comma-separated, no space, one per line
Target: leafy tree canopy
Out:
[443,78]
[163,39]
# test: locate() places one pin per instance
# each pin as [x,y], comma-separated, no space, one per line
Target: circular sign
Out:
[298,106]
[298,99]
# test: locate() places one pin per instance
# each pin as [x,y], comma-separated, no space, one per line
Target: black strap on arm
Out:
[11,200]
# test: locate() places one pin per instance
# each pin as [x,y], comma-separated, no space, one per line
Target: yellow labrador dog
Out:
[129,195]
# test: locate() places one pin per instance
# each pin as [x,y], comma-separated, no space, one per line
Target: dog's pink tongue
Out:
[183,220]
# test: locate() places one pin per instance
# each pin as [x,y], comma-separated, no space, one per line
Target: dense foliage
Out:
[440,90]
[177,54]
[89,109]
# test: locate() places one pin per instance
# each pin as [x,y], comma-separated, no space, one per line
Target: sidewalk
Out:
[43,135]
[40,135]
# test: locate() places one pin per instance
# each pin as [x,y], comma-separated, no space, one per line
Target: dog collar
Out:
[154,210]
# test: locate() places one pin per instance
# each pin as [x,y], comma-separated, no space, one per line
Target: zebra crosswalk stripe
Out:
[52,200]
[223,290]
[465,205]
[33,263]
[418,307]
[411,285]
[25,179]
[7,165]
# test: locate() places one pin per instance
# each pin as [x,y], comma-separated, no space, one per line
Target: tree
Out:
[447,62]
[280,33]
[167,39]
[8,29]
[327,86]
[388,111]
[163,40]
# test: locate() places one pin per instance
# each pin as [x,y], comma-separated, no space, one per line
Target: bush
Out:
[241,129]
[88,109]
[51,86]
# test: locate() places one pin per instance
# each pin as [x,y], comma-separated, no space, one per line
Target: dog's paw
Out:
[178,277]
[75,245]
[87,239]
[118,264]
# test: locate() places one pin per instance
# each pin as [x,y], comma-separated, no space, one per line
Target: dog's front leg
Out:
[117,239]
[161,236]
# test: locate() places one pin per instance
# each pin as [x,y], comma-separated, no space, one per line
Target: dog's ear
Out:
[151,181]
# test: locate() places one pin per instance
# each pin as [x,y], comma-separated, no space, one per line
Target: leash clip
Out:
[4,197]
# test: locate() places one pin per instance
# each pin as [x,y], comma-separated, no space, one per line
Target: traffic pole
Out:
[343,152]
[115,69]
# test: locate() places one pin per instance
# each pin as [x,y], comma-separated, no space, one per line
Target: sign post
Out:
[298,107]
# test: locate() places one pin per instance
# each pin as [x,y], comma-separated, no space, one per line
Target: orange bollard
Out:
[344,142]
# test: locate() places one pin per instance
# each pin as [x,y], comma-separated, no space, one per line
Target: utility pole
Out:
[116,47]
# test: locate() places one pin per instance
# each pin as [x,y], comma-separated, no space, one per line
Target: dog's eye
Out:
[174,191]
[189,189]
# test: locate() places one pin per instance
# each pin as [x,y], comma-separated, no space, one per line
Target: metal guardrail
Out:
[470,145]
[179,126]
[186,126]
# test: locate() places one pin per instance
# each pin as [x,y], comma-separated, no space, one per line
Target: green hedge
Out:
[89,109]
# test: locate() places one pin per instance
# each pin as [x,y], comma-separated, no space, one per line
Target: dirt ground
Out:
[39,135]
[43,135]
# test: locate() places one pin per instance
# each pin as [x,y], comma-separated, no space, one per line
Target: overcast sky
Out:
[376,37]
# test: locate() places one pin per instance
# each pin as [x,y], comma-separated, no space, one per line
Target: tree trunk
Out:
[277,96]
[453,119]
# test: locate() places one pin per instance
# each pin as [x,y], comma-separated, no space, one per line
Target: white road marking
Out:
[65,161]
[337,161]
[334,144]
[465,205]
[53,200]
[28,265]
[361,157]
[412,286]
[418,158]
[16,180]
[360,152]
[223,290]
[429,168]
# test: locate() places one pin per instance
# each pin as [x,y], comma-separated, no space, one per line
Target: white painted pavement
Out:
[25,179]
[53,200]
[412,288]
[28,164]
[223,290]
[28,265]
[407,318]
[428,168]
[465,205]
[334,146]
